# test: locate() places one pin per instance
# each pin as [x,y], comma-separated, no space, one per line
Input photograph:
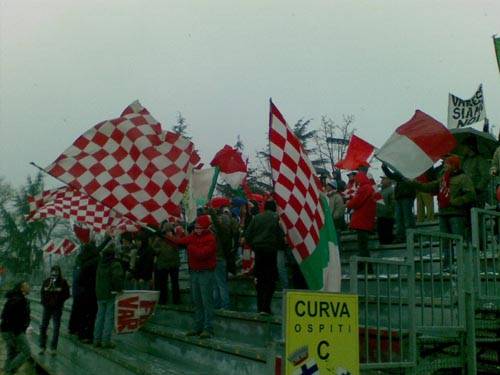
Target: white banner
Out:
[133,308]
[466,112]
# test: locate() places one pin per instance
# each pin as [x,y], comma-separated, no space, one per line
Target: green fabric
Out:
[265,231]
[214,183]
[496,42]
[477,168]
[109,279]
[167,256]
[312,267]
[386,210]
[462,194]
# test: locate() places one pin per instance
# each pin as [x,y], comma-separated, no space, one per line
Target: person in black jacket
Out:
[15,321]
[54,291]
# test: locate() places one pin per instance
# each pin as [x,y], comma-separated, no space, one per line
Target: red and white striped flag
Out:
[357,155]
[416,145]
[70,204]
[130,165]
[303,212]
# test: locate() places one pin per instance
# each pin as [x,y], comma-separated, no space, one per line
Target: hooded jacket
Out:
[16,313]
[363,205]
[54,292]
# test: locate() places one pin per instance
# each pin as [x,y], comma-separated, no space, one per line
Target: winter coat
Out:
[477,168]
[462,194]
[201,250]
[144,265]
[54,292]
[167,254]
[109,278]
[363,205]
[86,262]
[264,231]
[386,210]
[16,313]
[224,234]
[403,189]
[337,205]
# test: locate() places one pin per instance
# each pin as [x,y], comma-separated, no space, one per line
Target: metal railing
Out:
[386,312]
[444,289]
[486,255]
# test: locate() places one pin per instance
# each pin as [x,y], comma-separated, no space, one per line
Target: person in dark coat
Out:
[265,235]
[54,292]
[84,307]
[15,321]
[109,281]
[166,265]
[145,263]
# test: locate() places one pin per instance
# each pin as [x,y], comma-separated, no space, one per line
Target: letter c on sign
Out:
[322,355]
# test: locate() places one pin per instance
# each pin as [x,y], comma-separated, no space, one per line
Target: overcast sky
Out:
[67,65]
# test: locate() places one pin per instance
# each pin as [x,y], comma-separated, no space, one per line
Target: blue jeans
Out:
[404,217]
[451,225]
[18,351]
[282,269]
[104,321]
[202,295]
[221,289]
[55,314]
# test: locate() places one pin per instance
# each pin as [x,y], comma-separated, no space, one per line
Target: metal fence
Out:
[444,292]
[386,312]
[486,255]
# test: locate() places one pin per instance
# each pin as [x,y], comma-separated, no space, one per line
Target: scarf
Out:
[444,191]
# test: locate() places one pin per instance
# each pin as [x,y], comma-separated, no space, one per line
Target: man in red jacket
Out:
[201,250]
[364,208]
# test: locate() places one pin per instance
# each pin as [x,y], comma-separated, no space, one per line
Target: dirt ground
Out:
[26,369]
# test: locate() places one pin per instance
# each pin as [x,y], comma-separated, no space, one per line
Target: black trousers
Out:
[88,312]
[385,229]
[161,284]
[55,314]
[266,273]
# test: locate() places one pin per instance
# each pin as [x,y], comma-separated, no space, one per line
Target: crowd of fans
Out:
[213,243]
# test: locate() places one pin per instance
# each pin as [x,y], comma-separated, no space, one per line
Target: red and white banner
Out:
[133,308]
[73,205]
[50,247]
[65,247]
[416,145]
[130,165]
[357,155]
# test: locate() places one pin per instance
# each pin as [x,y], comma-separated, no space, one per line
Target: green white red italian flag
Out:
[303,208]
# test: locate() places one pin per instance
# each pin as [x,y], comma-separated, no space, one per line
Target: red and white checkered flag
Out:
[130,165]
[73,205]
[296,187]
[50,247]
[66,247]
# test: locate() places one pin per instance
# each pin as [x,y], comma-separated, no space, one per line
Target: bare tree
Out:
[332,139]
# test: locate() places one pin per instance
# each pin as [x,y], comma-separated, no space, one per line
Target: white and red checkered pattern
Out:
[49,247]
[66,247]
[296,187]
[73,205]
[130,165]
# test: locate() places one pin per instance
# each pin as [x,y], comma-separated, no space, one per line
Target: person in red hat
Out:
[201,249]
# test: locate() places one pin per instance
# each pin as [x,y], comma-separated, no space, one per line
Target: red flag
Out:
[416,145]
[231,166]
[357,155]
[130,165]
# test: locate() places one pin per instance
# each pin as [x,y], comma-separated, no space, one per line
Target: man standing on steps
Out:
[201,250]
[385,212]
[109,280]
[265,235]
[54,292]
[15,321]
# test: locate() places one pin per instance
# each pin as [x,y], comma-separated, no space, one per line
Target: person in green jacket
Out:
[109,281]
[167,264]
[456,195]
[265,236]
[477,167]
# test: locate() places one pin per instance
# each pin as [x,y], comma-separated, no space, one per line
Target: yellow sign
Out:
[321,333]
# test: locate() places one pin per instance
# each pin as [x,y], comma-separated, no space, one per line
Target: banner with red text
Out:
[133,308]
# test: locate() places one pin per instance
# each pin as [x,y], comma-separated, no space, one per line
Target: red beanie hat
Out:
[83,234]
[453,161]
[203,221]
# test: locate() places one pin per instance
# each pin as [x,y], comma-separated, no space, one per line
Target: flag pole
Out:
[142,225]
